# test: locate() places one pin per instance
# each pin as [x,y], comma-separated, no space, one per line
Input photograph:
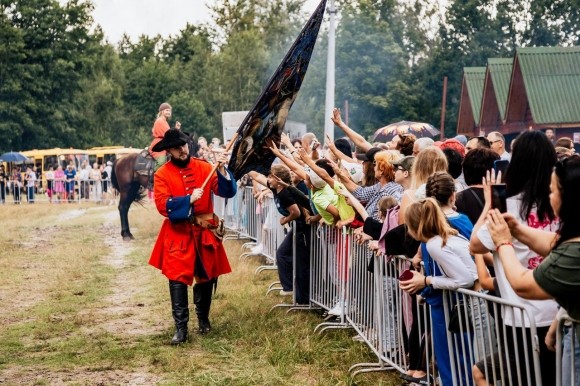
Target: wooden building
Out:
[538,89]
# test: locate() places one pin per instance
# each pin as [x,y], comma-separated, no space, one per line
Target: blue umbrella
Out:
[13,156]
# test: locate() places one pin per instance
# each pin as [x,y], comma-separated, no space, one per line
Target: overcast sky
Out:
[151,17]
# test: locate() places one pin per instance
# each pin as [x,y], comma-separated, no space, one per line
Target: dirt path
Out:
[121,313]
[124,314]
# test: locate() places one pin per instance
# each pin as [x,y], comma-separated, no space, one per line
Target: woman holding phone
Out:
[556,277]
[527,182]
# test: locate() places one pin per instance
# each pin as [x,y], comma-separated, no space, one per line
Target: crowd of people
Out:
[89,182]
[439,194]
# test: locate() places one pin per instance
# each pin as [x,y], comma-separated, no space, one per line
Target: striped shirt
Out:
[372,194]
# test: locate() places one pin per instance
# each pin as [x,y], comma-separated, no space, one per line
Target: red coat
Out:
[180,243]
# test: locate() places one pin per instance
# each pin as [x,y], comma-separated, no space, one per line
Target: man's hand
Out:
[177,125]
[196,195]
[221,159]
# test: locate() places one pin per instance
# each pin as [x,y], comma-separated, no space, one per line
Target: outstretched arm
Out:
[340,155]
[344,177]
[294,166]
[358,139]
[285,140]
[315,168]
[259,178]
[356,204]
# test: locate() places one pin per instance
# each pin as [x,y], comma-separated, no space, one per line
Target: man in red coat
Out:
[187,247]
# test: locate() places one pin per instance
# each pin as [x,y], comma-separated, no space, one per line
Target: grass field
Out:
[81,307]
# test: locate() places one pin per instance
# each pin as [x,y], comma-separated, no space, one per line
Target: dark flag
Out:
[268,117]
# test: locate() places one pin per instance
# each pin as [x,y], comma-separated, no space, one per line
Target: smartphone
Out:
[501,165]
[406,275]
[498,197]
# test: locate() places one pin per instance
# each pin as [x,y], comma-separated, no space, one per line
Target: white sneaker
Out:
[270,261]
[286,293]
[257,249]
[337,310]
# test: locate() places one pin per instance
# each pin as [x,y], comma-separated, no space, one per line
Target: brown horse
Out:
[132,175]
[131,186]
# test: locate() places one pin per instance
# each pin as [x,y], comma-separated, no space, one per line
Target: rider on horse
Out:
[159,128]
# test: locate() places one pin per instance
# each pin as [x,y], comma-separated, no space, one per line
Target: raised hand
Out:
[336,118]
[329,142]
[285,140]
[491,178]
[272,146]
[304,155]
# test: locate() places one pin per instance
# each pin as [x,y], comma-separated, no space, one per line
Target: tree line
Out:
[62,84]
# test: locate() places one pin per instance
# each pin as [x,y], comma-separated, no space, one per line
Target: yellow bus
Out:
[103,154]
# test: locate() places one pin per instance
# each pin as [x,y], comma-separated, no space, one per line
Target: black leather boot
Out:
[202,294]
[180,310]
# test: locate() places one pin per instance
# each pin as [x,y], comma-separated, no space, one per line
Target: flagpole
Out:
[330,77]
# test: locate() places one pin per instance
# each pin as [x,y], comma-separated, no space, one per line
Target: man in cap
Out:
[403,168]
[189,244]
[368,159]
[159,129]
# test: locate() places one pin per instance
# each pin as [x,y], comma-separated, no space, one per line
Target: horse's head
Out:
[193,145]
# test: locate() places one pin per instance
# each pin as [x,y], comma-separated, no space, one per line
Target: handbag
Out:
[212,222]
[459,323]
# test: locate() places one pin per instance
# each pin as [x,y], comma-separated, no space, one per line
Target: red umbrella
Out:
[419,129]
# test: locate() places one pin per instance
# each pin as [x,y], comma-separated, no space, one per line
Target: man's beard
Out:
[179,163]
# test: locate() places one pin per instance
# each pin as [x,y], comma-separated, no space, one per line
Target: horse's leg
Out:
[124,214]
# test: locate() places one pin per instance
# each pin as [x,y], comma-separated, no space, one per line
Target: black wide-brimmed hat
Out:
[172,138]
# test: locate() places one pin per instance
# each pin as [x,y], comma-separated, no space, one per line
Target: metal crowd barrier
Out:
[567,351]
[382,315]
[76,191]
[388,319]
[329,264]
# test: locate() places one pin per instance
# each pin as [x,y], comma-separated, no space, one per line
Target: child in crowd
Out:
[288,206]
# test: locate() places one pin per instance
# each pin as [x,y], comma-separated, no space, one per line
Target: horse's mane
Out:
[193,145]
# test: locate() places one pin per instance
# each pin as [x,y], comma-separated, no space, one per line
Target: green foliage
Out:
[62,84]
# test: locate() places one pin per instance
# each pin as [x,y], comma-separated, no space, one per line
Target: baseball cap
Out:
[369,155]
[405,162]
[355,171]
[343,145]
[453,144]
[315,179]
[462,139]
